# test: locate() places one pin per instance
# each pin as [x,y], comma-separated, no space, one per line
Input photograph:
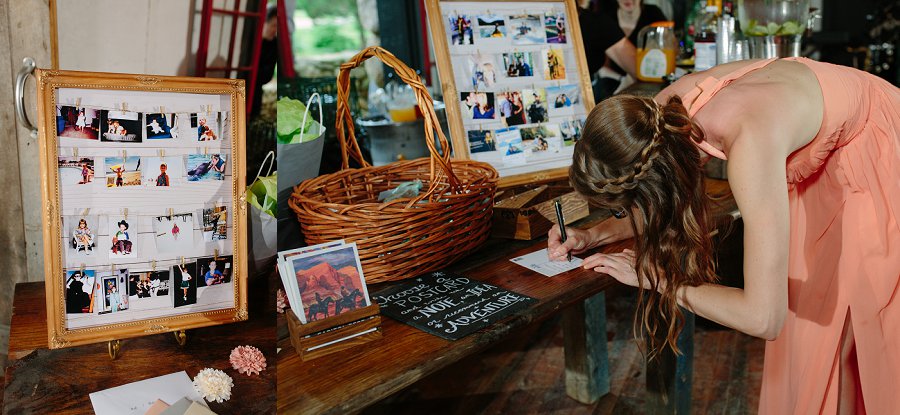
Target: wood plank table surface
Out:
[40,381]
[352,379]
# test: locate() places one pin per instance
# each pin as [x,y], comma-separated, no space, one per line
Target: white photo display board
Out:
[518,83]
[146,207]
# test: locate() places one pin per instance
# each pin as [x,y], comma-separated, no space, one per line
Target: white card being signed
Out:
[539,261]
[137,397]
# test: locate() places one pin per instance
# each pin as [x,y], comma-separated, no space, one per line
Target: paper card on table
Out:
[448,305]
[137,397]
[539,261]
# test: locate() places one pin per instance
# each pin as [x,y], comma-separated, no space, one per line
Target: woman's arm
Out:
[757,179]
[624,54]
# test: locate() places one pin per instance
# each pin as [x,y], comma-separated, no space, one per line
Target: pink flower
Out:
[247,360]
[281,301]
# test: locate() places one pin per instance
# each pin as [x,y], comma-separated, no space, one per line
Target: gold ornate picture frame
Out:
[496,56]
[145,224]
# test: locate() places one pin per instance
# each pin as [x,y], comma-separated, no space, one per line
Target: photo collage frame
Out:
[142,185]
[520,79]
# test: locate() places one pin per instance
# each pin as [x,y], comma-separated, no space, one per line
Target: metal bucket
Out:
[766,47]
[390,141]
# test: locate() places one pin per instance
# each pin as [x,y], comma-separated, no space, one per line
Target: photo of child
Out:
[159,126]
[478,105]
[81,232]
[77,122]
[184,281]
[123,171]
[174,234]
[460,28]
[215,224]
[203,167]
[527,29]
[491,26]
[120,126]
[162,171]
[214,271]
[554,64]
[113,297]
[123,238]
[79,291]
[207,126]
[76,170]
[555,26]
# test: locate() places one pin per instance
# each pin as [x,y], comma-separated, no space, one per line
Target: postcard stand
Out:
[333,334]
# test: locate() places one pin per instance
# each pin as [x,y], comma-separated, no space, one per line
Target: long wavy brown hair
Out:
[640,156]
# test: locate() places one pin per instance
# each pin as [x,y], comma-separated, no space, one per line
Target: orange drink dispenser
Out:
[656,51]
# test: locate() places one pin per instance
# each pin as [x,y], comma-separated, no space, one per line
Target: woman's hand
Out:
[577,241]
[619,266]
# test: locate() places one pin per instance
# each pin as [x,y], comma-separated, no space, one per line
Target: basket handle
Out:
[440,164]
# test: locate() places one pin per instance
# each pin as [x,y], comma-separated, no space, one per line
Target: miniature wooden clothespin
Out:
[162,152]
[78,102]
[82,268]
[171,213]
[124,106]
[205,151]
[86,212]
[112,268]
[162,109]
[125,214]
[124,155]
[153,266]
[182,261]
[216,254]
[75,152]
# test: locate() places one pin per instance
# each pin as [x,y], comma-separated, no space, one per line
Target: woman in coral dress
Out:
[814,166]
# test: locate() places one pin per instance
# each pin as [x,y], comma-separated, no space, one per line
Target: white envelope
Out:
[136,398]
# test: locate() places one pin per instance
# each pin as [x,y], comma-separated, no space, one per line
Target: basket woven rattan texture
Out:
[407,237]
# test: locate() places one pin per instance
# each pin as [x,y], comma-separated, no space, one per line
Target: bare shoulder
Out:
[779,106]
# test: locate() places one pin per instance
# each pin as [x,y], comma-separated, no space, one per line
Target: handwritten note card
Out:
[540,262]
[449,305]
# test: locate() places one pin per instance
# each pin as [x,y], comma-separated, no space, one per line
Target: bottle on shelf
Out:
[705,40]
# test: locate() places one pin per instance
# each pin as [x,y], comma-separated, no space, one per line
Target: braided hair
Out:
[638,155]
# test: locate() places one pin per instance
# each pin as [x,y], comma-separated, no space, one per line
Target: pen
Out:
[562,225]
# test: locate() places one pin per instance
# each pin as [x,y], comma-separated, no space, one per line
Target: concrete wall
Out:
[140,36]
[23,32]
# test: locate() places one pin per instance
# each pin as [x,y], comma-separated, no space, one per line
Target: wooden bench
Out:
[353,379]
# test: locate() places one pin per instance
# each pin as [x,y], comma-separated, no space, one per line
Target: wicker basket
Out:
[406,237]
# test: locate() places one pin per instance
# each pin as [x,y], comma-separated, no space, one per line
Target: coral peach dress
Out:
[844,193]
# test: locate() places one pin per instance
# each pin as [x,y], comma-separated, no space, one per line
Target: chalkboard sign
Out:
[449,305]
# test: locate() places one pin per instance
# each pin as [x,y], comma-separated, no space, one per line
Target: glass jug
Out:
[774,28]
[656,51]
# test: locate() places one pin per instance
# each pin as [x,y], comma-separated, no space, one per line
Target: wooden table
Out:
[39,380]
[349,381]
